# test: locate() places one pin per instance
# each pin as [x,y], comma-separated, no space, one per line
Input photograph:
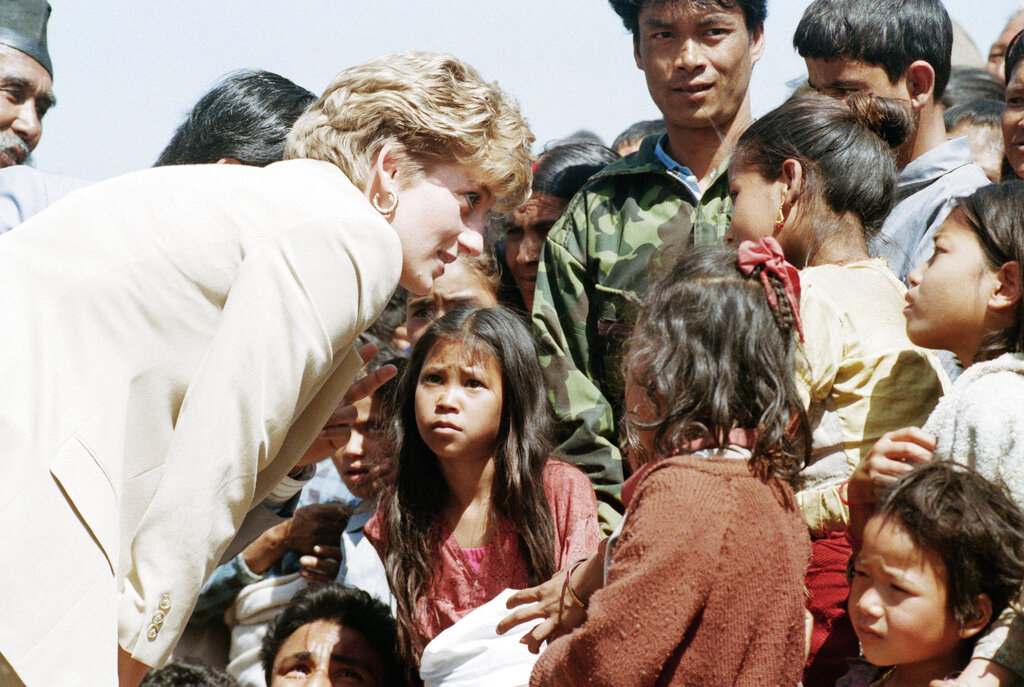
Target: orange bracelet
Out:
[568,583]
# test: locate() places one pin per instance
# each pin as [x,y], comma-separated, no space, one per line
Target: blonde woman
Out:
[174,340]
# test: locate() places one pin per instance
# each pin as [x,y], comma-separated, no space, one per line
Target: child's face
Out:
[458,285]
[755,211]
[639,409]
[364,463]
[458,402]
[898,602]
[756,204]
[527,228]
[948,298]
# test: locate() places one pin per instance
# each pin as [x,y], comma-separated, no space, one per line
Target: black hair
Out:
[846,164]
[639,130]
[979,112]
[347,606]
[754,11]
[891,34]
[970,523]
[246,116]
[996,213]
[1014,53]
[711,355]
[580,136]
[517,491]
[969,83]
[562,170]
[187,672]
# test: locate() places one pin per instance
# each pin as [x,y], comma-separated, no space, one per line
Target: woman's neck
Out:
[469,499]
[842,241]
[836,251]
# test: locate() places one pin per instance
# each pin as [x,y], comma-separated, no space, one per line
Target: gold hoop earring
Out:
[780,221]
[386,211]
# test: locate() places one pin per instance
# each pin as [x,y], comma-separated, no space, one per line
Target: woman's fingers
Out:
[338,424]
[519,616]
[364,388]
[535,637]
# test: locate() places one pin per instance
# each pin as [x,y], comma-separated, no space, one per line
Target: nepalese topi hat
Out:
[23,27]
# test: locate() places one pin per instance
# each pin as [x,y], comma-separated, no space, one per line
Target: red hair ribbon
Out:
[533,169]
[768,254]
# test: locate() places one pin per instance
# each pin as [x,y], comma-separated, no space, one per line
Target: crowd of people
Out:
[357,390]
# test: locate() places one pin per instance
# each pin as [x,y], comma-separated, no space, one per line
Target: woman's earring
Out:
[780,221]
[386,211]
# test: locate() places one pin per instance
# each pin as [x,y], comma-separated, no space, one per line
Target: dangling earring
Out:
[780,221]
[386,211]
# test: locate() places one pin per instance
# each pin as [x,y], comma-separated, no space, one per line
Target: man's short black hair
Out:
[970,83]
[347,606]
[247,116]
[754,11]
[639,130]
[976,112]
[891,34]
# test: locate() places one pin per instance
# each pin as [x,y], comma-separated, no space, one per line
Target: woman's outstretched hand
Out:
[551,603]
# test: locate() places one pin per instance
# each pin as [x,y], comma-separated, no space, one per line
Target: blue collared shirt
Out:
[683,172]
[926,194]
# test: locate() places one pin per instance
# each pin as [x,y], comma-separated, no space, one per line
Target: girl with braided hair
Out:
[704,576]
[819,176]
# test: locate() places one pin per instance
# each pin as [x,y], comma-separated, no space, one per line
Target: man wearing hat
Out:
[26,77]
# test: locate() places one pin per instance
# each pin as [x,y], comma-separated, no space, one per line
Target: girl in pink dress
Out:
[479,506]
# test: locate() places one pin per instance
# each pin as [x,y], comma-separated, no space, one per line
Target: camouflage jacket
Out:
[593,270]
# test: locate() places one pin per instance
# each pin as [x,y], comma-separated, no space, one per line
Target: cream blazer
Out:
[171,341]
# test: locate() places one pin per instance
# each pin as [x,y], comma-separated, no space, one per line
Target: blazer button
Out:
[158,618]
[152,632]
[165,602]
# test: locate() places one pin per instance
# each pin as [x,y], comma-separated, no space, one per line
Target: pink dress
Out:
[459,588]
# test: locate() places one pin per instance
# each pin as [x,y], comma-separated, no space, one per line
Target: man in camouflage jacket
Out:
[697,59]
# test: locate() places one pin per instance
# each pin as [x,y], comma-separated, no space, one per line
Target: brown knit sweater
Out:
[705,586]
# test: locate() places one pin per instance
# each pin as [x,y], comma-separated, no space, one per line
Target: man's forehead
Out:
[14,64]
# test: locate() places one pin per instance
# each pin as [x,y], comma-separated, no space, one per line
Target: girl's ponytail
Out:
[890,120]
[844,148]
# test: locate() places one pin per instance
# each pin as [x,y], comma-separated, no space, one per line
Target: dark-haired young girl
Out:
[816,175]
[967,298]
[943,554]
[704,580]
[479,506]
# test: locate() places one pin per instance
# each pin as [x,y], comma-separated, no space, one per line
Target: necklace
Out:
[880,682]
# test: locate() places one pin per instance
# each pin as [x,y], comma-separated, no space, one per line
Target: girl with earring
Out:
[819,176]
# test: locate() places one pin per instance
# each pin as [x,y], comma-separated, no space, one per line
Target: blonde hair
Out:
[434,107]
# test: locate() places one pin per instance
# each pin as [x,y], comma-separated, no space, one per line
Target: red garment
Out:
[833,641]
[705,586]
[458,588]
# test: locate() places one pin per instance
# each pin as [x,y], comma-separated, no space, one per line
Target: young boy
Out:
[942,555]
[897,49]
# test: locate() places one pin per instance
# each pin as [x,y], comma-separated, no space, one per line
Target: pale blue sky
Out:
[127,72]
